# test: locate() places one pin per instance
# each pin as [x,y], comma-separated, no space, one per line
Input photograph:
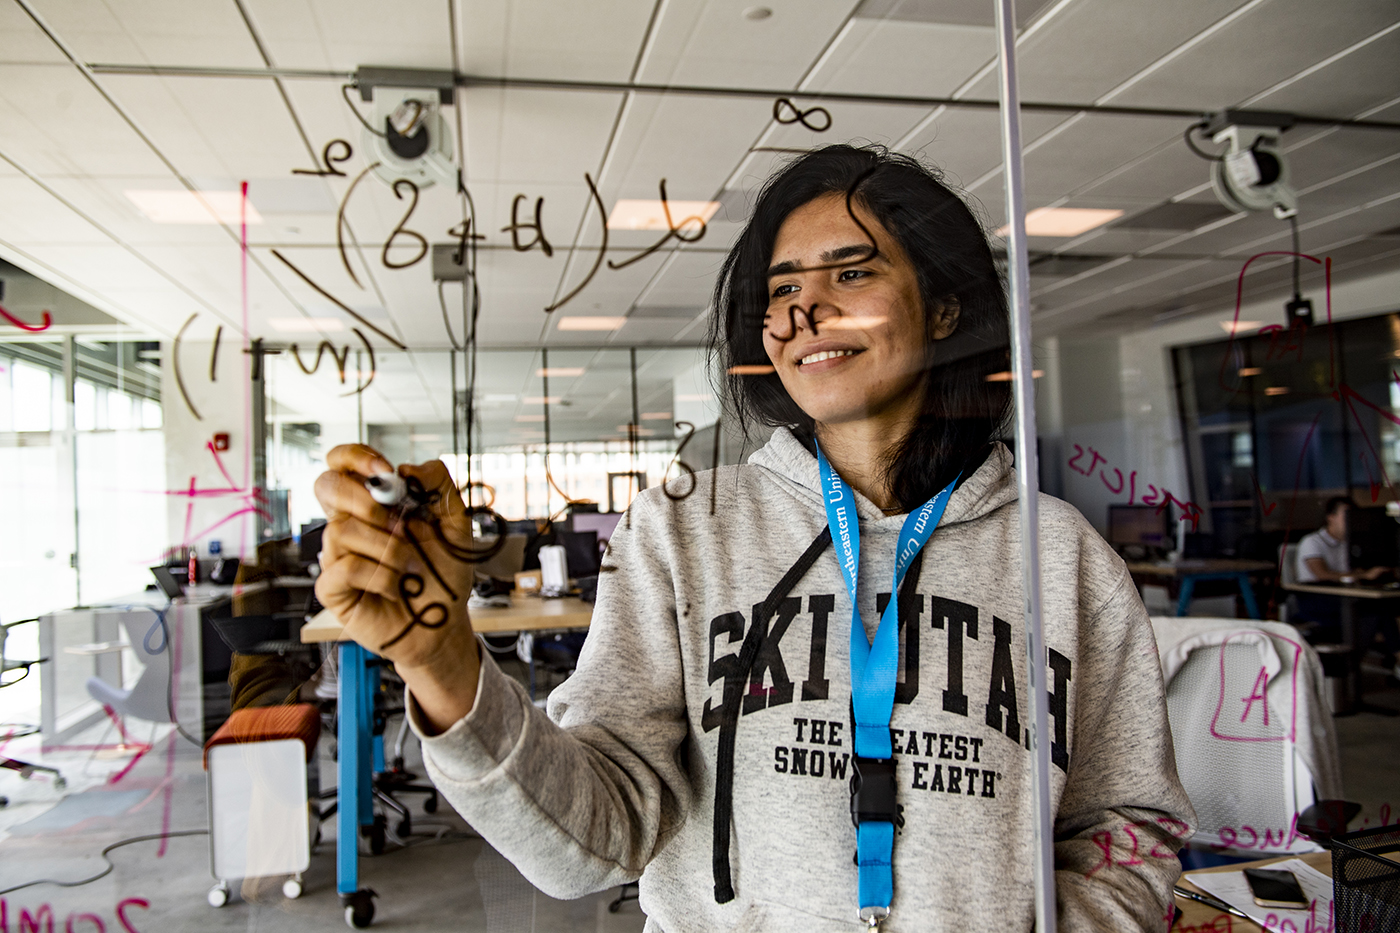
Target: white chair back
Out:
[1243,711]
[148,698]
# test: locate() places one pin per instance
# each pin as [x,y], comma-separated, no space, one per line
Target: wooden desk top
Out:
[1354,591]
[1207,565]
[1200,915]
[525,614]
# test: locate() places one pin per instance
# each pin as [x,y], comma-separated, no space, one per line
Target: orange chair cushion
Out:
[268,724]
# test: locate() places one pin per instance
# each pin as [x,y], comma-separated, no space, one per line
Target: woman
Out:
[709,737]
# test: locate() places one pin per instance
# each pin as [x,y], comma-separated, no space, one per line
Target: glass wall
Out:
[1277,421]
[543,427]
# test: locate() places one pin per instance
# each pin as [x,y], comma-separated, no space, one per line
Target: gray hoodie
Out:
[619,780]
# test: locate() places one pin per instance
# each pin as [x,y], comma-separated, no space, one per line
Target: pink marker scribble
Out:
[1292,734]
[32,328]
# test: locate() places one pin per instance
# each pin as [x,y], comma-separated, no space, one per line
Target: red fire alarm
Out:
[221,442]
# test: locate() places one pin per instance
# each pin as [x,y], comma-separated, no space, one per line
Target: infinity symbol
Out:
[785,112]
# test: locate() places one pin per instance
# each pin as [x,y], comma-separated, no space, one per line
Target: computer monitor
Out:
[1372,538]
[581,551]
[507,562]
[601,523]
[309,543]
[1141,525]
[170,579]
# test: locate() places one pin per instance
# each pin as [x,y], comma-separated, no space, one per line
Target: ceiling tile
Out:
[57,124]
[903,58]
[22,41]
[213,126]
[1090,47]
[342,35]
[153,32]
[1262,47]
[711,42]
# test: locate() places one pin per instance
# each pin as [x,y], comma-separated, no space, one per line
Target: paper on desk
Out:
[1231,887]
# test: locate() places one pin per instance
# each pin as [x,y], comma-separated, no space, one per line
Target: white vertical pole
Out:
[1027,467]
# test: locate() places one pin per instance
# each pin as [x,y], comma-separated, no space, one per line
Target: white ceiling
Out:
[75,138]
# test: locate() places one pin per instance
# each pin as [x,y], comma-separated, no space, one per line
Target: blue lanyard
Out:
[874,667]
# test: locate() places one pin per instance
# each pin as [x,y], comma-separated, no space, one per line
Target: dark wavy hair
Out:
[964,410]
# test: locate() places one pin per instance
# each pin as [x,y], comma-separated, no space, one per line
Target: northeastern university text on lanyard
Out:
[874,667]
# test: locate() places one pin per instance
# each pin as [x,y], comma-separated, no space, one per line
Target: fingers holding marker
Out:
[344,494]
[358,574]
[349,535]
[359,459]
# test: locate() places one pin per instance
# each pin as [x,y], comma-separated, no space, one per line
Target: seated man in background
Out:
[1323,558]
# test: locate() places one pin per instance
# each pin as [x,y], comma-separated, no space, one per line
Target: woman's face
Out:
[845,326]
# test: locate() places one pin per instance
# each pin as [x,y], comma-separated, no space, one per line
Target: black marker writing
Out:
[329,161]
[516,225]
[674,230]
[786,112]
[400,230]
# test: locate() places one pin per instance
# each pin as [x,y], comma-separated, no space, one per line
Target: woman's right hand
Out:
[395,583]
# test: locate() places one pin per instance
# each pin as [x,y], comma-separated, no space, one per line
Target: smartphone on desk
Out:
[1274,888]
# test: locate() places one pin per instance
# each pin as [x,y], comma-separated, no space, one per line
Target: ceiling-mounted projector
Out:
[411,139]
[1252,175]
[406,133]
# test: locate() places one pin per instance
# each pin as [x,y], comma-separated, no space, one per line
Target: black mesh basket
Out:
[1366,880]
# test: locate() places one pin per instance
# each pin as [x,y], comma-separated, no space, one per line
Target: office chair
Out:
[148,698]
[1248,774]
[24,768]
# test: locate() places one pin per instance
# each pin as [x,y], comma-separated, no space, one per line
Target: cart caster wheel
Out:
[4,801]
[60,782]
[291,889]
[218,895]
[430,805]
[405,828]
[359,908]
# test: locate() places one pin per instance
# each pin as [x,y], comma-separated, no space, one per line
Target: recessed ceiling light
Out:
[189,207]
[425,438]
[693,397]
[560,371]
[1234,327]
[641,432]
[580,322]
[750,369]
[306,325]
[650,215]
[499,397]
[1064,221]
[541,400]
[525,419]
[1250,371]
[656,416]
[1005,375]
[1276,390]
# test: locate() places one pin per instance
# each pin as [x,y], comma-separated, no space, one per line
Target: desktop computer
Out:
[1373,538]
[1139,526]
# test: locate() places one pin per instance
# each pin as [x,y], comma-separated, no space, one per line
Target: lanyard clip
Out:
[873,791]
[874,916]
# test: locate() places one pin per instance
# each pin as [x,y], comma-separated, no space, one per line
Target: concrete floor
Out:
[445,879]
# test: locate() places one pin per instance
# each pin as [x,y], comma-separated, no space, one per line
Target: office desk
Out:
[1189,571]
[1199,916]
[1348,595]
[361,753]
